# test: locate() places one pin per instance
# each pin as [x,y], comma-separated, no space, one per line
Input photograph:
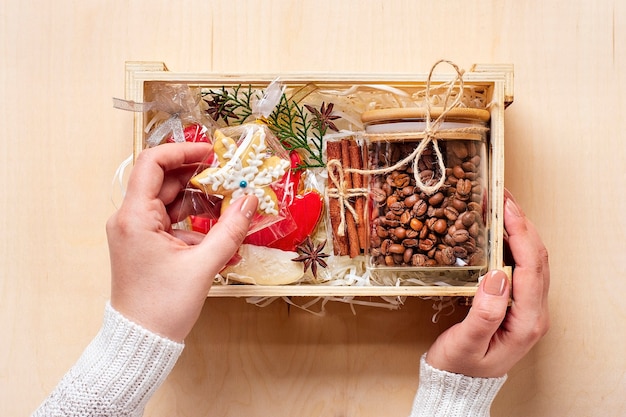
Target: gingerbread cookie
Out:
[243,170]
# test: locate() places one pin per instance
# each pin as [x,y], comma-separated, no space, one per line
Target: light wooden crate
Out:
[497,80]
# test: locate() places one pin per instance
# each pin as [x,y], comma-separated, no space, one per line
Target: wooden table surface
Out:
[62,62]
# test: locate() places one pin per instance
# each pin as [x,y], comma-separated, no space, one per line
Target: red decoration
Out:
[304,211]
[193,133]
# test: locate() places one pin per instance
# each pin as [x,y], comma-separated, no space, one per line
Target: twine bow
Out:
[432,127]
[430,132]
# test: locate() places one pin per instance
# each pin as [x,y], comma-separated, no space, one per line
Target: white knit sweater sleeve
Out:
[446,394]
[117,373]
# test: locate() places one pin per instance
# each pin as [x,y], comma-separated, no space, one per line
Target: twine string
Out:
[432,127]
[340,191]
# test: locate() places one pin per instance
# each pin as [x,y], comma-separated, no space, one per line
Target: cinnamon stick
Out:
[351,226]
[340,243]
[356,162]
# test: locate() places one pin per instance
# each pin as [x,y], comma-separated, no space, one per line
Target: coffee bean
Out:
[416,225]
[402,180]
[445,256]
[451,213]
[396,207]
[389,220]
[448,240]
[473,230]
[384,247]
[440,226]
[436,199]
[468,218]
[382,232]
[437,212]
[468,166]
[378,195]
[426,244]
[418,259]
[475,207]
[407,191]
[458,204]
[410,243]
[460,252]
[426,175]
[471,149]
[410,201]
[459,149]
[463,189]
[420,208]
[407,255]
[396,248]
[399,233]
[460,235]
[431,263]
[458,172]
[430,223]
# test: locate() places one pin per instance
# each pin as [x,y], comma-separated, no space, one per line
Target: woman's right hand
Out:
[491,340]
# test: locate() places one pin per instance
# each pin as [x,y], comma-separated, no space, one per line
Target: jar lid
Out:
[404,113]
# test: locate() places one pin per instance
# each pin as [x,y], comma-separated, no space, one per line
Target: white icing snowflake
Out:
[243,170]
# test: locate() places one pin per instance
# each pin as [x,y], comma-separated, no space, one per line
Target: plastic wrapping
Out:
[175,114]
[249,161]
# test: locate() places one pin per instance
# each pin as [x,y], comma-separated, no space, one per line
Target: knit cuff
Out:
[117,373]
[443,393]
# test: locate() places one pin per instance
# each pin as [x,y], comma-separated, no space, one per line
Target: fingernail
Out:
[495,282]
[249,206]
[512,207]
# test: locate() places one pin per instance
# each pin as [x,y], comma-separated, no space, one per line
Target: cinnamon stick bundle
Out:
[356,161]
[351,240]
[351,223]
[340,243]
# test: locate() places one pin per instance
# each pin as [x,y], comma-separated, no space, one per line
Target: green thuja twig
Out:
[292,125]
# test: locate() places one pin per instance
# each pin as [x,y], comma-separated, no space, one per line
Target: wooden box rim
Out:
[498,76]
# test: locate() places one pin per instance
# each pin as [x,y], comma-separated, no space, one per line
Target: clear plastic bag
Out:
[248,161]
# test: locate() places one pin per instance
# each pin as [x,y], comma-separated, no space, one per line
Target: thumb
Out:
[225,237]
[487,312]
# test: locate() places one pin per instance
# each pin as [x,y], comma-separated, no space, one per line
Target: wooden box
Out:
[495,80]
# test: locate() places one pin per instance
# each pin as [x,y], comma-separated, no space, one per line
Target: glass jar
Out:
[428,194]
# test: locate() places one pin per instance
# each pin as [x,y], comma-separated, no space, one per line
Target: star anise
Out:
[220,107]
[312,255]
[324,116]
